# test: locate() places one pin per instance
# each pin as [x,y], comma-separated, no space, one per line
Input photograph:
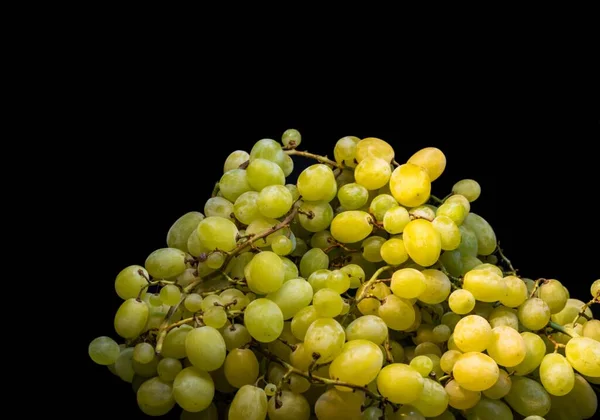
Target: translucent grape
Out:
[472,333]
[448,231]
[437,287]
[168,368]
[274,201]
[216,233]
[326,337]
[396,219]
[193,389]
[174,344]
[261,173]
[353,196]
[359,363]
[155,397]
[370,305]
[381,204]
[209,302]
[351,226]
[528,397]
[556,374]
[468,188]
[486,286]
[143,353]
[287,165]
[129,281]
[583,353]
[294,295]
[461,398]
[233,184]
[428,348]
[490,409]
[215,317]
[500,388]
[165,263]
[245,207]
[218,207]
[486,238]
[374,147]
[516,292]
[265,272]
[215,260]
[356,274]
[535,349]
[454,210]
[249,403]
[372,173]
[534,314]
[317,183]
[328,303]
[475,371]
[431,159]
[448,360]
[267,149]
[553,293]
[397,313]
[461,301]
[501,315]
[170,294]
[104,350]
[130,318]
[422,242]
[393,251]
[241,367]
[236,336]
[408,283]
[291,138]
[344,151]
[410,185]
[422,364]
[338,404]
[372,248]
[235,159]
[302,320]
[321,215]
[507,346]
[318,279]
[400,383]
[205,348]
[264,320]
[321,239]
[338,280]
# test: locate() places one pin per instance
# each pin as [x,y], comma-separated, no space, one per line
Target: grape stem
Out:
[322,159]
[388,350]
[153,283]
[535,287]
[370,284]
[512,271]
[559,328]
[320,380]
[435,199]
[162,330]
[287,343]
[584,308]
[456,281]
[553,341]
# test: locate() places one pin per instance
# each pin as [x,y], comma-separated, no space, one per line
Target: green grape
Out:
[448,360]
[374,147]
[461,199]
[410,185]
[155,397]
[395,219]
[265,272]
[372,173]
[583,353]
[475,371]
[393,251]
[170,294]
[264,320]
[535,349]
[124,365]
[473,333]
[270,389]
[372,413]
[500,388]
[468,242]
[321,239]
[422,242]
[317,183]
[217,233]
[245,208]
[367,327]
[468,188]
[507,346]
[450,319]
[328,303]
[302,320]
[400,383]
[293,190]
[290,269]
[130,318]
[165,263]
[333,404]
[104,350]
[293,406]
[282,245]
[267,149]
[235,159]
[291,138]
[219,207]
[468,263]
[260,226]
[441,333]
[486,238]
[230,295]
[210,413]
[313,260]
[205,348]
[130,281]
[528,397]
[422,364]
[580,403]
[274,201]
[179,232]
[408,283]
[262,173]
[359,363]
[534,314]
[570,311]
[490,409]
[448,231]
[293,295]
[344,151]
[192,302]
[591,329]
[595,289]
[516,292]
[486,286]
[143,353]
[215,317]
[431,159]
[406,412]
[241,367]
[437,287]
[209,302]
[426,348]
[422,212]
[397,313]
[553,293]
[174,344]
[193,389]
[287,165]
[235,336]
[371,248]
[233,184]
[318,279]
[460,398]
[353,196]
[338,280]
[321,215]
[556,374]
[381,204]
[168,368]
[454,210]
[146,370]
[461,301]
[356,274]
[370,306]
[295,383]
[326,337]
[502,315]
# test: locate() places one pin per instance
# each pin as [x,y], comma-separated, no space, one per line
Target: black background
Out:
[157,152]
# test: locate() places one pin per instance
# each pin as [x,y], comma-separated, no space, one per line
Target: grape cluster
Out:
[352,294]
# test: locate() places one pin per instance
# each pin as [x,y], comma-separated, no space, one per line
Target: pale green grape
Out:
[130,281]
[313,260]
[534,314]
[267,149]
[486,286]
[422,364]
[472,333]
[104,350]
[265,272]
[193,389]
[408,283]
[371,248]
[293,295]
[235,336]
[367,327]
[359,363]
[215,317]
[451,319]
[318,279]
[124,365]
[168,368]
[264,320]
[174,344]
[595,289]
[166,262]
[291,138]
[230,295]
[580,403]
[317,183]
[490,409]
[486,238]
[449,232]
[351,226]
[528,397]
[437,287]
[500,388]
[422,212]
[556,374]
[395,219]
[155,397]
[468,188]
[282,245]
[372,173]
[461,398]
[393,251]
[293,407]
[501,315]
[353,196]
[209,302]
[321,239]
[583,353]
[422,242]
[321,215]
[290,269]
[344,151]
[397,313]
[374,147]
[469,263]
[356,274]
[217,233]
[192,302]
[461,301]
[400,383]
[219,207]
[475,371]
[205,348]
[326,337]
[468,242]
[507,346]
[406,412]
[381,204]
[293,190]
[170,294]
[448,360]
[431,159]
[241,367]
[553,293]
[328,303]
[372,413]
[334,404]
[441,333]
[261,225]
[570,311]
[287,165]
[262,173]
[145,370]
[233,184]
[428,348]
[338,280]
[458,198]
[302,320]
[516,292]
[130,318]
[535,349]
[245,208]
[143,353]
[179,232]
[591,329]
[235,159]
[410,185]
[296,383]
[274,201]
[454,210]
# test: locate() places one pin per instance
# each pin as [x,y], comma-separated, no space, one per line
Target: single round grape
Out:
[353,196]
[393,251]
[461,398]
[570,311]
[490,409]
[372,173]
[468,242]
[534,314]
[265,272]
[500,388]
[355,273]
[422,212]
[422,242]
[288,165]
[397,313]
[193,302]
[274,201]
[461,301]
[294,295]
[455,211]
[328,303]
[437,287]
[264,320]
[516,292]
[262,173]
[535,349]
[168,368]
[381,204]
[302,320]
[472,333]
[291,138]
[400,383]
[245,207]
[351,226]
[326,338]
[233,184]
[583,353]
[333,404]
[461,199]
[236,336]
[124,365]
[235,159]
[165,263]
[155,397]
[215,317]
[507,346]
[318,279]
[344,151]
[131,318]
[591,329]
[441,333]
[241,367]
[338,280]
[193,389]
[209,302]
[219,207]
[422,364]
[556,374]
[293,406]
[528,397]
[174,344]
[595,289]
[217,233]
[468,188]
[451,319]
[205,348]
[410,185]
[267,149]
[371,248]
[282,245]
[428,348]
[374,147]
[395,219]
[448,360]
[143,353]
[486,238]
[408,283]
[553,293]
[104,350]
[431,159]
[475,371]
[448,231]
[359,363]
[179,232]
[317,183]
[170,294]
[130,281]
[313,260]
[485,286]
[321,215]
[501,315]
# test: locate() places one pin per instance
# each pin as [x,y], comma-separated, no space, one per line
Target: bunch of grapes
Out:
[352,294]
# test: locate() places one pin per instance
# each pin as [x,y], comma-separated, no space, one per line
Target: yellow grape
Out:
[367,327]
[500,388]
[328,303]
[534,314]
[501,315]
[359,363]
[591,329]
[535,349]
[249,403]
[400,383]
[370,306]
[374,147]
[130,318]
[351,226]
[583,353]
[422,242]
[448,360]
[433,400]
[556,374]
[317,183]
[437,287]
[408,283]
[394,252]
[193,389]
[553,293]
[326,337]
[516,292]
[431,159]
[507,346]
[448,231]
[486,286]
[410,185]
[395,219]
[472,333]
[372,173]
[461,398]
[397,313]
[241,367]
[475,371]
[461,301]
